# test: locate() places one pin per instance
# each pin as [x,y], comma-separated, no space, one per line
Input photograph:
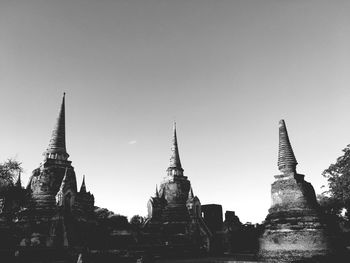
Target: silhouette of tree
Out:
[337,198]
[107,218]
[9,171]
[102,213]
[329,204]
[137,221]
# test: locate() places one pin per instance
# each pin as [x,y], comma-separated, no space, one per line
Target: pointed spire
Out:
[190,194]
[286,159]
[175,163]
[83,186]
[18,183]
[157,193]
[60,193]
[64,181]
[57,145]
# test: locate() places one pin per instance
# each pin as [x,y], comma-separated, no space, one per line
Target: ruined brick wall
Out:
[212,215]
[289,193]
[294,227]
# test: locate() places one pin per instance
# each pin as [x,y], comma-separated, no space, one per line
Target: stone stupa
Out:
[175,220]
[294,228]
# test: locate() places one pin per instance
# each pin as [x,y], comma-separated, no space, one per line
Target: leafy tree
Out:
[337,197]
[107,222]
[118,221]
[108,218]
[137,221]
[9,171]
[13,196]
[102,213]
[329,204]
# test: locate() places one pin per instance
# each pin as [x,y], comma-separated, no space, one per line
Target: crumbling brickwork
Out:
[174,213]
[294,228]
[55,214]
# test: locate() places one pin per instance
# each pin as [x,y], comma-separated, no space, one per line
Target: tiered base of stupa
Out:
[294,228]
[173,228]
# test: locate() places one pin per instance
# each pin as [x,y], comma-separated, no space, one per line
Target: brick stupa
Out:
[59,215]
[174,213]
[294,228]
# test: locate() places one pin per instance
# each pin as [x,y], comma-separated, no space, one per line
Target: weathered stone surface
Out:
[174,214]
[45,183]
[55,214]
[294,228]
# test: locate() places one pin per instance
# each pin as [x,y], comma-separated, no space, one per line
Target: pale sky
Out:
[227,71]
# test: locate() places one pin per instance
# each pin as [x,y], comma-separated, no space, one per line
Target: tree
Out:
[337,197]
[118,221]
[107,218]
[9,171]
[329,204]
[102,213]
[13,196]
[137,221]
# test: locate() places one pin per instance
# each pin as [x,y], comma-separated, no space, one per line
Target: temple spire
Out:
[18,183]
[157,193]
[60,193]
[64,180]
[286,159]
[57,145]
[190,194]
[83,186]
[175,167]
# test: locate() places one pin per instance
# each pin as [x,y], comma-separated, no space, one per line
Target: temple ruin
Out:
[294,228]
[174,213]
[53,213]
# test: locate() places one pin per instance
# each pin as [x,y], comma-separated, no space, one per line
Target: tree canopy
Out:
[137,220]
[337,197]
[9,171]
[108,218]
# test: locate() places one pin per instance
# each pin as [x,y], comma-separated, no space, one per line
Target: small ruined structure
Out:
[212,214]
[174,213]
[57,214]
[294,228]
[232,232]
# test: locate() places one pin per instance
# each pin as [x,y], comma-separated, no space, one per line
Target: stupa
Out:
[58,215]
[294,227]
[174,213]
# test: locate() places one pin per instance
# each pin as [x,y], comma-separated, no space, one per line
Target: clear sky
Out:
[227,71]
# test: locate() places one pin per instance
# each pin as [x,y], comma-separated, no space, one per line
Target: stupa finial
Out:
[286,159]
[175,167]
[83,186]
[57,145]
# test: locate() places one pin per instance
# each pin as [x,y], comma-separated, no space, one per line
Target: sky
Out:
[226,71]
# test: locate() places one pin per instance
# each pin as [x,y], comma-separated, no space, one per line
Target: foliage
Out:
[107,218]
[137,221]
[104,231]
[329,204]
[13,196]
[102,213]
[337,197]
[118,221]
[9,170]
